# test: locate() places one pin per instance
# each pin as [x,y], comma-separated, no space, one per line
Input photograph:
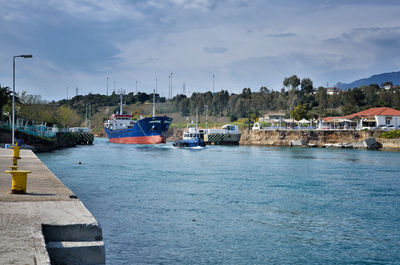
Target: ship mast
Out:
[154,103]
[120,103]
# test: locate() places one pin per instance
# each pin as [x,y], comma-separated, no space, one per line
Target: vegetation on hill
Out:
[298,98]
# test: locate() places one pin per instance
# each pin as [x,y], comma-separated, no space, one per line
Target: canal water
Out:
[237,205]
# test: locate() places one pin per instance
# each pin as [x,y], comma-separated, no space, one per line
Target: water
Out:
[238,205]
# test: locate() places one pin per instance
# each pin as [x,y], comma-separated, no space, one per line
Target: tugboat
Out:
[121,128]
[191,137]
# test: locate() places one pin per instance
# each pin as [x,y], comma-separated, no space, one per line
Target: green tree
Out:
[371,95]
[322,99]
[292,81]
[299,112]
[306,86]
[67,117]
[5,96]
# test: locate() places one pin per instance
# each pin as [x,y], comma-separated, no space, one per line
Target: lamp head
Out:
[27,56]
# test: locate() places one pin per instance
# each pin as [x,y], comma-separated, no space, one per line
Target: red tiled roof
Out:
[369,113]
[330,118]
[384,111]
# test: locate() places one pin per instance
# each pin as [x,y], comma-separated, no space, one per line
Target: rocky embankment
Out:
[341,139]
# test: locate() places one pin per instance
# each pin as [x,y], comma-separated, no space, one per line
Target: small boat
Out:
[191,137]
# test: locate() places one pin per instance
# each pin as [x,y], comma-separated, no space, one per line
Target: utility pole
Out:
[206,106]
[213,83]
[107,84]
[90,116]
[183,89]
[171,85]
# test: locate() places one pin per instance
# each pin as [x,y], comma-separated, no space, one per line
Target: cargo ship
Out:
[122,128]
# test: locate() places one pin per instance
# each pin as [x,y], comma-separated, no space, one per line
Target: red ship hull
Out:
[155,139]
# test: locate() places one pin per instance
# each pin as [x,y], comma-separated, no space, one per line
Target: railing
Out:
[35,130]
[271,128]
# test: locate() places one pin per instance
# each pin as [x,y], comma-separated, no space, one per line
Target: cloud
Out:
[378,44]
[245,43]
[203,5]
[374,34]
[282,35]
[214,49]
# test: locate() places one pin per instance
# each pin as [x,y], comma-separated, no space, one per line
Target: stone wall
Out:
[314,138]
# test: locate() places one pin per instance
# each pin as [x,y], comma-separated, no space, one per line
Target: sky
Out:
[79,43]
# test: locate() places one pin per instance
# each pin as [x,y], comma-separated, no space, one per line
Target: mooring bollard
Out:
[16,149]
[15,161]
[19,180]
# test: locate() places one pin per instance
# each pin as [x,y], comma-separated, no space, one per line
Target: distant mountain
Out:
[393,77]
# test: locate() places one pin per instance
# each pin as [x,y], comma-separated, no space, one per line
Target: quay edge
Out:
[316,138]
[48,224]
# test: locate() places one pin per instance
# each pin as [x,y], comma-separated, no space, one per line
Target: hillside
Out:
[393,77]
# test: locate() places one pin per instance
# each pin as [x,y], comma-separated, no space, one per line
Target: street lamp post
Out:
[13,96]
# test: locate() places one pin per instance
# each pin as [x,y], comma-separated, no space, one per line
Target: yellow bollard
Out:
[19,180]
[13,167]
[16,151]
[15,161]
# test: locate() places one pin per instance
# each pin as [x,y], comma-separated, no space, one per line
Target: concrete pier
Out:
[48,224]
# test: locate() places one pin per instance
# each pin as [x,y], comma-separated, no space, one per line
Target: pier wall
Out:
[48,224]
[313,138]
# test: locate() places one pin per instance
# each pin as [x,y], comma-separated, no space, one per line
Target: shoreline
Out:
[310,139]
[320,139]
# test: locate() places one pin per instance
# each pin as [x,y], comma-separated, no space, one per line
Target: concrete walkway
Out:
[46,220]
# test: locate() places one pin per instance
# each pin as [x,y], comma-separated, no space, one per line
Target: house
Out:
[270,117]
[387,86]
[332,90]
[375,118]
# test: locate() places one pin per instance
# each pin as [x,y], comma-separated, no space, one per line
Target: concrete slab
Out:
[47,204]
[42,184]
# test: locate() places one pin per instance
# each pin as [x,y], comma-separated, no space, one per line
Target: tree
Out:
[264,90]
[293,81]
[306,85]
[299,112]
[5,96]
[233,118]
[67,117]
[322,99]
[371,95]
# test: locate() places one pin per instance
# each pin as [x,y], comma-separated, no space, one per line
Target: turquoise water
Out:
[238,205]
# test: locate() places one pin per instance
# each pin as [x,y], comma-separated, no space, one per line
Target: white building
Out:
[375,118]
